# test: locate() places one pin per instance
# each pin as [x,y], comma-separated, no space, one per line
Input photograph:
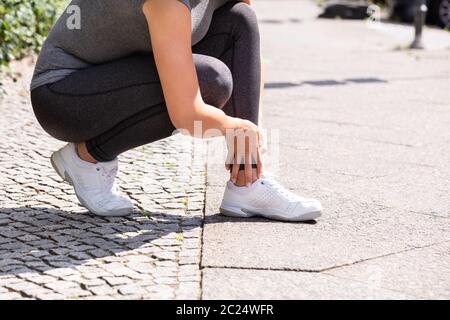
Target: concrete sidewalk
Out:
[364,127]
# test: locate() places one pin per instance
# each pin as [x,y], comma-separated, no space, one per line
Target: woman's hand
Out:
[245,147]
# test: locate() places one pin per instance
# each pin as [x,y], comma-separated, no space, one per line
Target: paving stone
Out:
[165,255]
[131,289]
[41,279]
[10,296]
[166,280]
[49,296]
[7,262]
[28,237]
[102,290]
[162,289]
[114,281]
[98,253]
[79,256]
[92,282]
[194,278]
[23,286]
[189,260]
[62,286]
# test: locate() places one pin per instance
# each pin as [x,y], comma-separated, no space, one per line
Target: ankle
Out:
[241,180]
[84,154]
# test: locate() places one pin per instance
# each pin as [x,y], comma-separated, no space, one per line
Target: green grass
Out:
[24,25]
[146,213]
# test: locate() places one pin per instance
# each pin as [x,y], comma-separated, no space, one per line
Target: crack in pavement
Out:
[323,270]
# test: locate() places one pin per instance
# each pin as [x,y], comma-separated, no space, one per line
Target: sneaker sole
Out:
[55,157]
[243,213]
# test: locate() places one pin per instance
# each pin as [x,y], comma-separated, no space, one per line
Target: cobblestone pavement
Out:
[51,248]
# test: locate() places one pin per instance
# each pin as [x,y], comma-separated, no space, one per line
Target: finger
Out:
[255,175]
[263,142]
[235,171]
[248,174]
[240,144]
[254,147]
[261,137]
[248,167]
[231,151]
[251,157]
[260,165]
[233,147]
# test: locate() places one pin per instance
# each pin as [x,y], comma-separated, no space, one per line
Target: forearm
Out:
[170,31]
[209,121]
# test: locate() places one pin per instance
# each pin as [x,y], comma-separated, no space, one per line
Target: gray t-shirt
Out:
[110,29]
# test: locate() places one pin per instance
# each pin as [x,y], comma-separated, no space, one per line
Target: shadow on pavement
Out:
[321,83]
[42,239]
[218,218]
[279,21]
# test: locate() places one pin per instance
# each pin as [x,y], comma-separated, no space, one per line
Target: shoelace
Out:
[109,175]
[280,189]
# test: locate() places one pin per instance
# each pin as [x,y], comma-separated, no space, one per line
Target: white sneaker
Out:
[93,183]
[267,198]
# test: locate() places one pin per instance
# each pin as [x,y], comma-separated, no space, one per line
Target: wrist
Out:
[231,123]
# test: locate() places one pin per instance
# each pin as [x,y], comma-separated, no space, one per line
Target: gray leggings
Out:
[118,106]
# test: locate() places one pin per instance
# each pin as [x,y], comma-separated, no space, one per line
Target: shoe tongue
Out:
[109,166]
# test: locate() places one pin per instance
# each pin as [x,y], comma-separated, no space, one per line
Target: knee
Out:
[51,118]
[215,80]
[245,18]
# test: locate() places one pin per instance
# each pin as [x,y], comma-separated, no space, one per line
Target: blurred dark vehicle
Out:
[404,10]
[345,9]
[438,11]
